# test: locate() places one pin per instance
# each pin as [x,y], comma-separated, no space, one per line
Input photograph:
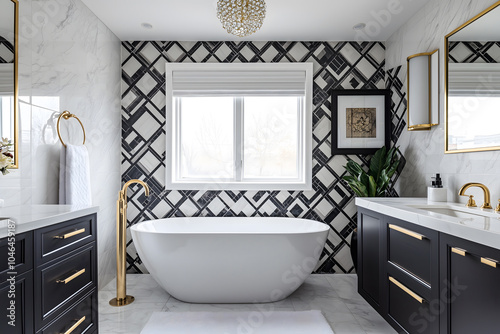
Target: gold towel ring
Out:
[67,115]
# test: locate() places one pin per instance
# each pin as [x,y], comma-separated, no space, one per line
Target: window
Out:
[239,126]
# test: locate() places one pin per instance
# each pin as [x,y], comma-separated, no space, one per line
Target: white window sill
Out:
[240,186]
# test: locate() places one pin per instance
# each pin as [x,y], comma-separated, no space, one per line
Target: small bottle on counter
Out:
[436,192]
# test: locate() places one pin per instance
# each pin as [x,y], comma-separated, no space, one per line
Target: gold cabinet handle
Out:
[489,262]
[72,277]
[407,232]
[458,251]
[69,235]
[69,331]
[405,289]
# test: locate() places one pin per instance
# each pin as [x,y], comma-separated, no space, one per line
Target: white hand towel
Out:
[74,176]
[62,176]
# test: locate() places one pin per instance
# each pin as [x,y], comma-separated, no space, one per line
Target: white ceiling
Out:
[286,20]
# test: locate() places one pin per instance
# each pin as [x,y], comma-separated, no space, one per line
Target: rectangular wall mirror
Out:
[472,77]
[9,13]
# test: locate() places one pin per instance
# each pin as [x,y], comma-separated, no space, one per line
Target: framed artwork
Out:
[361,121]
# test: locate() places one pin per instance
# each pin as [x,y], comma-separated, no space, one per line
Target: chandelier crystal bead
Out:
[241,17]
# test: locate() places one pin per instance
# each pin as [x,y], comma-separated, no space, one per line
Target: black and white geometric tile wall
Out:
[6,51]
[342,65]
[395,82]
[474,52]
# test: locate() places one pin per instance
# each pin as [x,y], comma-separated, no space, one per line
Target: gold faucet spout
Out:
[123,192]
[121,245]
[486,191]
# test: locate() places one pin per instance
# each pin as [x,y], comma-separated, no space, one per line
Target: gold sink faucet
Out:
[471,202]
[121,245]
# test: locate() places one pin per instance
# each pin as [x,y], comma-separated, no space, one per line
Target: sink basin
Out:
[452,212]
[473,217]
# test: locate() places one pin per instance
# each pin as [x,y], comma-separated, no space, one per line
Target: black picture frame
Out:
[335,123]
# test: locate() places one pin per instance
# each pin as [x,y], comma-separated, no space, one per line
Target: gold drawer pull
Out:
[458,251]
[405,289]
[70,234]
[69,331]
[72,277]
[407,232]
[489,262]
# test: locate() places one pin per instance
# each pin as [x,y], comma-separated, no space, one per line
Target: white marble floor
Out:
[335,295]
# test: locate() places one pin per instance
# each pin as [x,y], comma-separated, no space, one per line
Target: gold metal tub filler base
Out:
[122,302]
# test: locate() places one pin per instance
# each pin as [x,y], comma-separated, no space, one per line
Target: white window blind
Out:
[6,79]
[474,79]
[237,79]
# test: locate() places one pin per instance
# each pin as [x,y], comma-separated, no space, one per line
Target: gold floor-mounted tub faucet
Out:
[121,245]
[471,202]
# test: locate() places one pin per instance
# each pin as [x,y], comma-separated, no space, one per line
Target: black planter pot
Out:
[354,248]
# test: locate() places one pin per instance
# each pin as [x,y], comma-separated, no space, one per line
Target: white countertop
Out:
[474,224]
[31,217]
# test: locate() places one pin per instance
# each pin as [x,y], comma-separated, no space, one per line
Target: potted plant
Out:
[372,182]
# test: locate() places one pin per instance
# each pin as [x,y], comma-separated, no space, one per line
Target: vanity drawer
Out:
[23,307]
[408,309]
[81,318]
[59,281]
[410,247]
[23,255]
[53,241]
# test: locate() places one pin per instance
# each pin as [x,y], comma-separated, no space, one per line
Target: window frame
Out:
[173,182]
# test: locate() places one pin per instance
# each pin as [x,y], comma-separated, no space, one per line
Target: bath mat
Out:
[253,322]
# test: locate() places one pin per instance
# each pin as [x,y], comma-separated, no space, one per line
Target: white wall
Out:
[68,60]
[424,151]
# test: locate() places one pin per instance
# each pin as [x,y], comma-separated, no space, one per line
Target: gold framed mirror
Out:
[472,84]
[9,87]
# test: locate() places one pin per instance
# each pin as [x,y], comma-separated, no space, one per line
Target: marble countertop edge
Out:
[398,208]
[31,217]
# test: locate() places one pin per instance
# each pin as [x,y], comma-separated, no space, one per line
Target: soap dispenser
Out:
[436,192]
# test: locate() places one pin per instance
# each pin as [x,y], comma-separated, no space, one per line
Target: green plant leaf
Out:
[384,182]
[393,169]
[377,162]
[372,188]
[363,191]
[358,188]
[350,178]
[363,178]
[383,165]
[384,179]
[390,157]
[353,168]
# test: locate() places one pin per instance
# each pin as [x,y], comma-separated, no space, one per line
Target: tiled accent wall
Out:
[397,85]
[6,51]
[343,65]
[475,52]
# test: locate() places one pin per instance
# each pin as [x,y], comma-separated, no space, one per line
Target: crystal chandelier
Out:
[241,17]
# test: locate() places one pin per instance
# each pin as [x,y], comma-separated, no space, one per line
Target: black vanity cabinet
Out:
[471,288]
[370,265]
[16,290]
[427,282]
[398,271]
[56,280]
[412,276]
[16,303]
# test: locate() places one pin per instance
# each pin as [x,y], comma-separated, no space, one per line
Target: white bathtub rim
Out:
[322,227]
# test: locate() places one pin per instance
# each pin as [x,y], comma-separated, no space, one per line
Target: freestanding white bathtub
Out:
[230,259]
